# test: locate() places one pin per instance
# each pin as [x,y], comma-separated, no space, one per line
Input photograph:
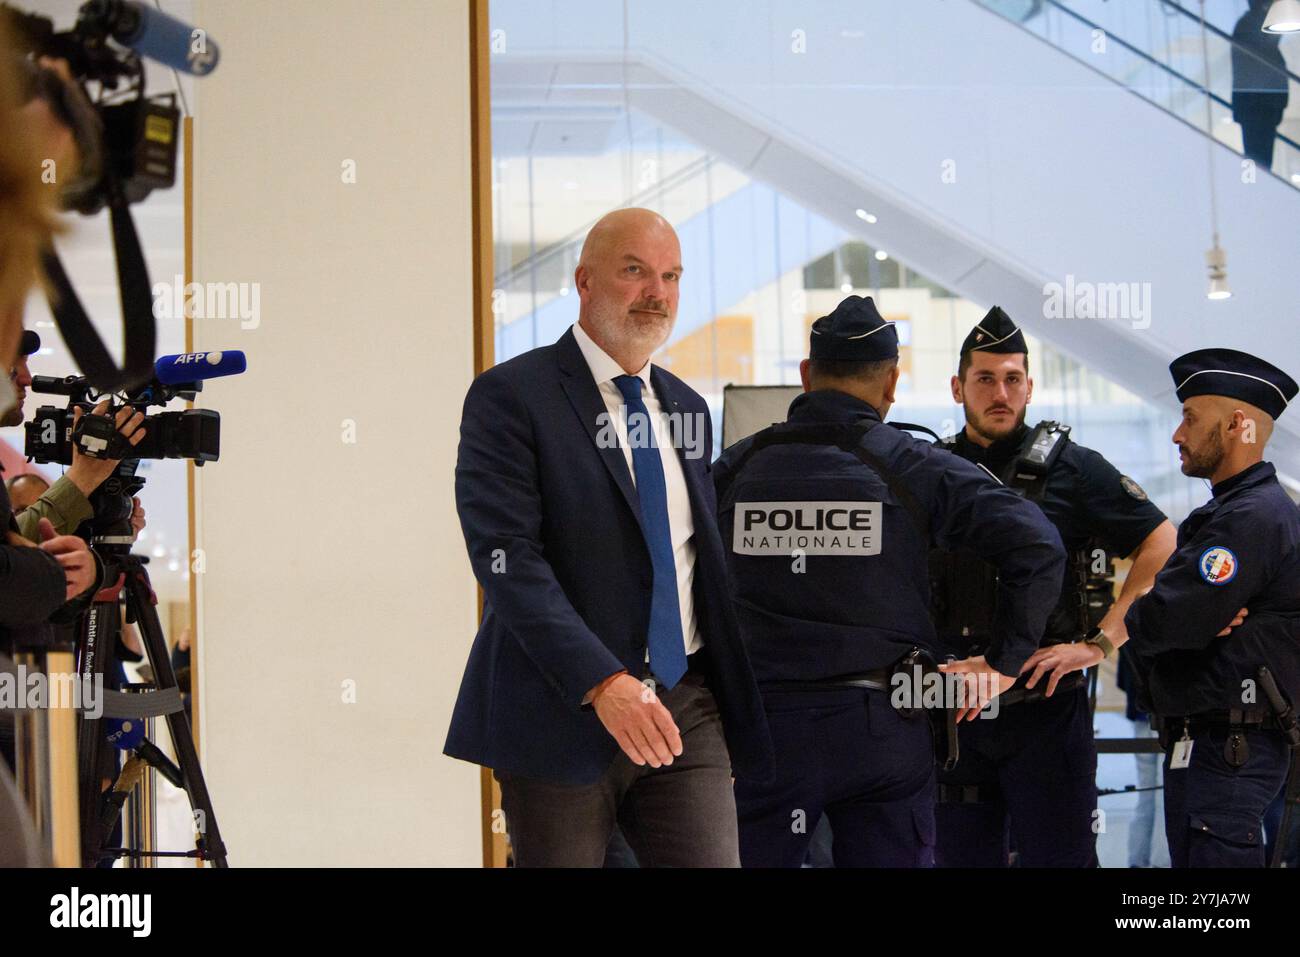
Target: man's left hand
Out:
[1059,661]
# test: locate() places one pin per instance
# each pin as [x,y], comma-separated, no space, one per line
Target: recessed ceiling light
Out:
[881,255]
[865,216]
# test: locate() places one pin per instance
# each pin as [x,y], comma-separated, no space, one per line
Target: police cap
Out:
[855,331]
[1237,375]
[995,333]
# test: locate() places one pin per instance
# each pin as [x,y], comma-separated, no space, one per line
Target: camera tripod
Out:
[97,636]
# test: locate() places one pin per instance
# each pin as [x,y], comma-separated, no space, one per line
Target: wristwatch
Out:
[1098,638]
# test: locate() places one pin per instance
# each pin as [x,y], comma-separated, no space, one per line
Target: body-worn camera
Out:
[191,434]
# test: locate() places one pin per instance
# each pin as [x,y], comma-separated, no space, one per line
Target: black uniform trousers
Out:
[1035,768]
[848,754]
[1213,811]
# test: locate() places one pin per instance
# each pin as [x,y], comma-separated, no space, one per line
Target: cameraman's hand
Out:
[88,473]
[137,517]
[73,554]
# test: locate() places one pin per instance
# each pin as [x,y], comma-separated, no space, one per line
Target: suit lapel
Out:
[587,402]
[672,406]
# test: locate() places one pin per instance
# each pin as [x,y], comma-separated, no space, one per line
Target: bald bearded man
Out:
[608,682]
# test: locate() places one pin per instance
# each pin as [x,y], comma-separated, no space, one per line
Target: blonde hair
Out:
[26,207]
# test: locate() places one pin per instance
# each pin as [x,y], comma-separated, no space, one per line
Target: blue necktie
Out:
[667,649]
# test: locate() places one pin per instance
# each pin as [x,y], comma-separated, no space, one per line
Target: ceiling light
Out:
[881,255]
[1283,17]
[865,216]
[1217,260]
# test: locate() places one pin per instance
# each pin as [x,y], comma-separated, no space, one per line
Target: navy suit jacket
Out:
[552,524]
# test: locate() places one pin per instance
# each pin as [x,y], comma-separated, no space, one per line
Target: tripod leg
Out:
[140,605]
[96,642]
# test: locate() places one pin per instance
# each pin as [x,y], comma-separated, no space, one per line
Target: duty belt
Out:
[880,679]
[876,679]
[1247,719]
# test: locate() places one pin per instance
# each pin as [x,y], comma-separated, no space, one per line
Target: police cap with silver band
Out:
[855,332]
[1237,375]
[995,333]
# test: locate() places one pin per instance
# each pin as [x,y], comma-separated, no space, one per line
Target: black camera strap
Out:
[138,332]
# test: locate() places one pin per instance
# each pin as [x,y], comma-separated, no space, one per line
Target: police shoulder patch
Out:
[1218,565]
[1134,490]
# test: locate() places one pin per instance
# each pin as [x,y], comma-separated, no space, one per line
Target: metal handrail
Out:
[1143,55]
[1218,32]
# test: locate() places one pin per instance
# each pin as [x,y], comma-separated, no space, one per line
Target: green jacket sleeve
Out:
[63,504]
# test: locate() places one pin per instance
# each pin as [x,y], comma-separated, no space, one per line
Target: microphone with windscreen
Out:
[188,367]
[154,34]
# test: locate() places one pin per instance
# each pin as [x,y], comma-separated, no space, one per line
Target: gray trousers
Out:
[681,815]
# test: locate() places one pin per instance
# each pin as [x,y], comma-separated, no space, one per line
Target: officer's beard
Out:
[985,429]
[1204,461]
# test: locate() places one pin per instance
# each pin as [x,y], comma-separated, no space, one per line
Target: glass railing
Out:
[1154,48]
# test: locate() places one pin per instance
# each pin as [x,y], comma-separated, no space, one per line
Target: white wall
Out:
[326,561]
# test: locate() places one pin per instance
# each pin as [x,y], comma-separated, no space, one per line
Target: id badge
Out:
[1182,754]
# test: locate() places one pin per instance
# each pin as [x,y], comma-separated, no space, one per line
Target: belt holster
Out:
[943,721]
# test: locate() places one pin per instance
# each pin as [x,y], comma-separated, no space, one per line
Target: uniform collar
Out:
[830,405]
[1254,475]
[998,455]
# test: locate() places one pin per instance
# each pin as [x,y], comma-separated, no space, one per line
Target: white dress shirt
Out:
[680,522]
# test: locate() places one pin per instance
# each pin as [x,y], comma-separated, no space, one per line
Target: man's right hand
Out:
[980,683]
[641,725]
[89,473]
[73,555]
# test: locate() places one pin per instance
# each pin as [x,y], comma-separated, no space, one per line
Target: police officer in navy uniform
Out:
[828,520]
[1027,777]
[1226,605]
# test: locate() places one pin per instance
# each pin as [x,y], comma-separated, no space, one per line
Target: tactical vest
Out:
[806,506]
[964,588]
